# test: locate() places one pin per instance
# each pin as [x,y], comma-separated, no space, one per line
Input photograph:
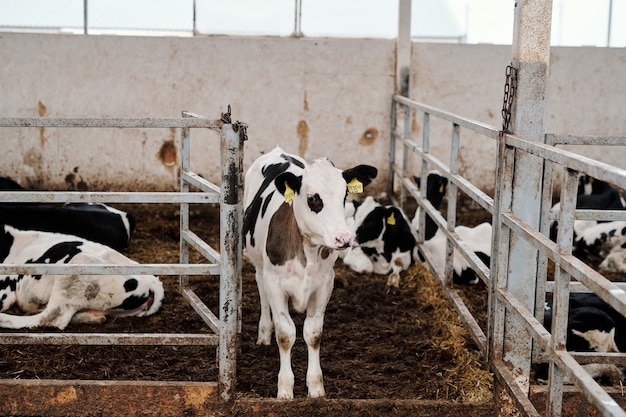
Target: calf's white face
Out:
[318,204]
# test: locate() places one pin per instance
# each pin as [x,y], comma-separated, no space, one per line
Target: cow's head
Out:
[319,196]
[143,297]
[8,296]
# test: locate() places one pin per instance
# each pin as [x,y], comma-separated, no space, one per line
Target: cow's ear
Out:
[287,183]
[358,177]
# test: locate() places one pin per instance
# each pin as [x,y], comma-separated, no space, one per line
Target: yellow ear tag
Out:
[391,220]
[441,188]
[355,186]
[288,193]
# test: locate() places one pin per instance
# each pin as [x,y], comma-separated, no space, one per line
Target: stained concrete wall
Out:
[313,97]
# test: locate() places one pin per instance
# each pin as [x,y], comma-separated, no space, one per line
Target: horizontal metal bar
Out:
[201,246]
[203,311]
[110,269]
[588,214]
[590,357]
[466,316]
[577,269]
[485,201]
[201,183]
[473,125]
[159,339]
[554,139]
[515,391]
[571,160]
[525,318]
[106,197]
[575,286]
[109,122]
[591,390]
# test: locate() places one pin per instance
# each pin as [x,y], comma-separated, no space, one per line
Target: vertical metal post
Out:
[403,48]
[560,301]
[297,32]
[531,55]
[424,179]
[195,9]
[406,135]
[85,21]
[392,146]
[452,198]
[608,32]
[500,244]
[230,250]
[185,163]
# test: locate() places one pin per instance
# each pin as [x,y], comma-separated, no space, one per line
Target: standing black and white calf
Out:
[294,224]
[55,300]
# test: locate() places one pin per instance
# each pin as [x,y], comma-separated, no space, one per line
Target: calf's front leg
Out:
[312,333]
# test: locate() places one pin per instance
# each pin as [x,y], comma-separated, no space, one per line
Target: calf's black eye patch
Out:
[315,202]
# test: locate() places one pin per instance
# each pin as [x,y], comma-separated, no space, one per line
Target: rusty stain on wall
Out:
[42,112]
[369,136]
[348,120]
[303,135]
[72,184]
[415,127]
[168,154]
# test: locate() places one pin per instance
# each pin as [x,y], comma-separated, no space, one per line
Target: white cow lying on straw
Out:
[55,300]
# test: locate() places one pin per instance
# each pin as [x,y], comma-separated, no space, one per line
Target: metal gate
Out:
[224,326]
[507,313]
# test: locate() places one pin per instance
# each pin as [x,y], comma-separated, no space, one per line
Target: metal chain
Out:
[510,86]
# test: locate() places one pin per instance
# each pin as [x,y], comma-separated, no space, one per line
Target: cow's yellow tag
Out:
[355,186]
[289,194]
[441,188]
[391,220]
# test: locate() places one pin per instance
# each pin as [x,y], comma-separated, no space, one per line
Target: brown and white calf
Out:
[294,224]
[55,300]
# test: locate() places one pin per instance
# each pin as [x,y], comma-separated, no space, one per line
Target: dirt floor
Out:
[376,345]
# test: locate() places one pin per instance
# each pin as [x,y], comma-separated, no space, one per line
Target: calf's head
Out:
[318,197]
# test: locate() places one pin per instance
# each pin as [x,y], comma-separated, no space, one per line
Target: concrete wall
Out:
[313,97]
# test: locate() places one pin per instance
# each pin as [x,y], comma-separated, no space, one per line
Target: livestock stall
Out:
[514,339]
[529,166]
[222,326]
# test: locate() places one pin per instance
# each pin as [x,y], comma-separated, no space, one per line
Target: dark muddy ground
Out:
[376,345]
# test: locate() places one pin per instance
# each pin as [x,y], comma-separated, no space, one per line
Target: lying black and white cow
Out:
[294,224]
[593,326]
[96,222]
[386,242]
[477,238]
[605,243]
[55,300]
[592,194]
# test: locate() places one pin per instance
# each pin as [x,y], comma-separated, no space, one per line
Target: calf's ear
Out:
[363,174]
[288,181]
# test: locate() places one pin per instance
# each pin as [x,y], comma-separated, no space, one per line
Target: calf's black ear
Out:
[288,182]
[361,173]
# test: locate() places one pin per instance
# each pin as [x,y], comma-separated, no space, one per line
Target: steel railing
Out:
[547,347]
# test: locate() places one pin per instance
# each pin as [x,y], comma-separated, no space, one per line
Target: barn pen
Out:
[355,100]
[222,327]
